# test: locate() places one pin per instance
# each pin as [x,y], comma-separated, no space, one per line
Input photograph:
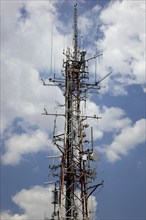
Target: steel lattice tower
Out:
[73,185]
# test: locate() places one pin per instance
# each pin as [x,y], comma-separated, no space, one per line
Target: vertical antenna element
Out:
[91,139]
[95,66]
[51,48]
[75,31]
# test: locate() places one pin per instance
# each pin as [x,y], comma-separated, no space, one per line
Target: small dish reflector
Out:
[94,157]
[85,157]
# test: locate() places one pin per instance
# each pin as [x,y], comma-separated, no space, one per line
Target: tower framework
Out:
[73,183]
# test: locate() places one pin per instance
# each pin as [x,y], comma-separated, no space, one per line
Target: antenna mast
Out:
[75,31]
[74,177]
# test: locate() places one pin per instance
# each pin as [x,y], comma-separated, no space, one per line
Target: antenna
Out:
[95,66]
[92,139]
[51,47]
[75,31]
[54,130]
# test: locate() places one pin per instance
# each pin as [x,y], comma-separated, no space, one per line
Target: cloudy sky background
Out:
[115,28]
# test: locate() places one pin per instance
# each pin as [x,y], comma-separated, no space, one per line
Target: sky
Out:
[33,37]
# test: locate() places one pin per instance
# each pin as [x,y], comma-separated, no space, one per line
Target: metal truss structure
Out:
[75,176]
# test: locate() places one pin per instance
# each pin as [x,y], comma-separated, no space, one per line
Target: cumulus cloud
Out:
[36,203]
[125,133]
[9,216]
[23,94]
[19,145]
[25,58]
[29,38]
[129,138]
[122,42]
[113,119]
[85,23]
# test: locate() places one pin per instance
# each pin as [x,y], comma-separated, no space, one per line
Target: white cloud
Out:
[19,145]
[85,24]
[129,138]
[7,215]
[36,202]
[25,51]
[28,40]
[23,94]
[113,119]
[144,89]
[122,27]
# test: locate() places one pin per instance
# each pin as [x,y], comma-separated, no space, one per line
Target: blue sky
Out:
[115,28]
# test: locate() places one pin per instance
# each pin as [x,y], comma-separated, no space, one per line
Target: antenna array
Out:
[75,176]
